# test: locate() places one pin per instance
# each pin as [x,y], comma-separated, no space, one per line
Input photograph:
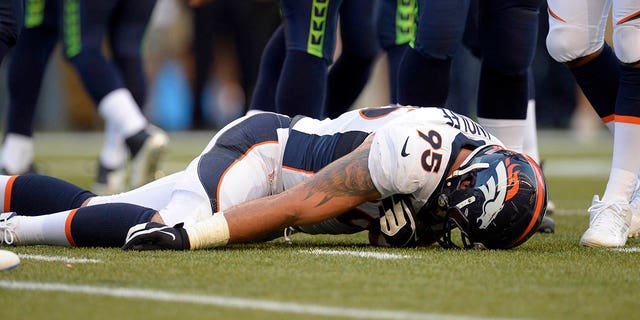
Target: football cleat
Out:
[608,224]
[547,225]
[7,228]
[634,229]
[110,181]
[146,148]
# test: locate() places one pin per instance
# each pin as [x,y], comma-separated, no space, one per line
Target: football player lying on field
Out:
[406,175]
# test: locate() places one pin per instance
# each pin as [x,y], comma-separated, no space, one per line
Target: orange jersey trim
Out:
[298,170]
[67,227]
[231,166]
[627,119]
[7,194]
[632,16]
[608,118]
[554,15]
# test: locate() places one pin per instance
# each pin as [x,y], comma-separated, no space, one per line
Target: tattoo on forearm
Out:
[348,176]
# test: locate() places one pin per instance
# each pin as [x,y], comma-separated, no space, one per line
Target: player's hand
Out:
[156,236]
[397,221]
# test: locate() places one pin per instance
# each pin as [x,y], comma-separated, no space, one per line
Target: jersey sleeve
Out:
[395,161]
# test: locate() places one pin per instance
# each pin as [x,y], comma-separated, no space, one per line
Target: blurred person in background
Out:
[116,84]
[10,24]
[507,34]
[359,48]
[294,65]
[295,77]
[241,27]
[395,30]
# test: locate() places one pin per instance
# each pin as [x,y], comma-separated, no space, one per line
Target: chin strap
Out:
[455,219]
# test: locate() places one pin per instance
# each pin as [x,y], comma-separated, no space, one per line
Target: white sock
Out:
[626,147]
[119,108]
[530,143]
[47,229]
[625,165]
[509,131]
[114,151]
[17,153]
[620,186]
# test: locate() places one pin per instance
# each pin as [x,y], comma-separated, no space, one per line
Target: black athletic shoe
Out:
[547,226]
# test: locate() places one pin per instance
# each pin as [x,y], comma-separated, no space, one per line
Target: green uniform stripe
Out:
[33,13]
[72,30]
[406,13]
[317,27]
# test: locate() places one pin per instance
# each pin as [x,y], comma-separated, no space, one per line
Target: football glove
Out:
[157,236]
[397,221]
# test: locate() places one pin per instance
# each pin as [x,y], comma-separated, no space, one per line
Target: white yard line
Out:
[362,254]
[631,249]
[572,212]
[231,302]
[57,258]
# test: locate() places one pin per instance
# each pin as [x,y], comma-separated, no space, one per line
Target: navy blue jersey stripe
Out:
[347,142]
[311,152]
[233,144]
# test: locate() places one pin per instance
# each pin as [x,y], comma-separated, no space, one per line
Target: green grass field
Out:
[318,277]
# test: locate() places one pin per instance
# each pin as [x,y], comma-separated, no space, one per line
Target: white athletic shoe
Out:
[634,229]
[608,224]
[7,228]
[146,152]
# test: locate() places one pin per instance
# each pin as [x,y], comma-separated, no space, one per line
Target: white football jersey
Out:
[412,150]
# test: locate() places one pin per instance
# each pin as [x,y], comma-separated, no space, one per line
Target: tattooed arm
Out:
[337,188]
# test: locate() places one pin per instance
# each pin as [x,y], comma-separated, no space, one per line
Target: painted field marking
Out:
[632,249]
[231,302]
[57,258]
[362,254]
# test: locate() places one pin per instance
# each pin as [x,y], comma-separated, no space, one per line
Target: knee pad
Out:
[626,43]
[567,42]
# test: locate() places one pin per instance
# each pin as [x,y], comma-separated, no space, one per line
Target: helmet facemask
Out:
[458,193]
